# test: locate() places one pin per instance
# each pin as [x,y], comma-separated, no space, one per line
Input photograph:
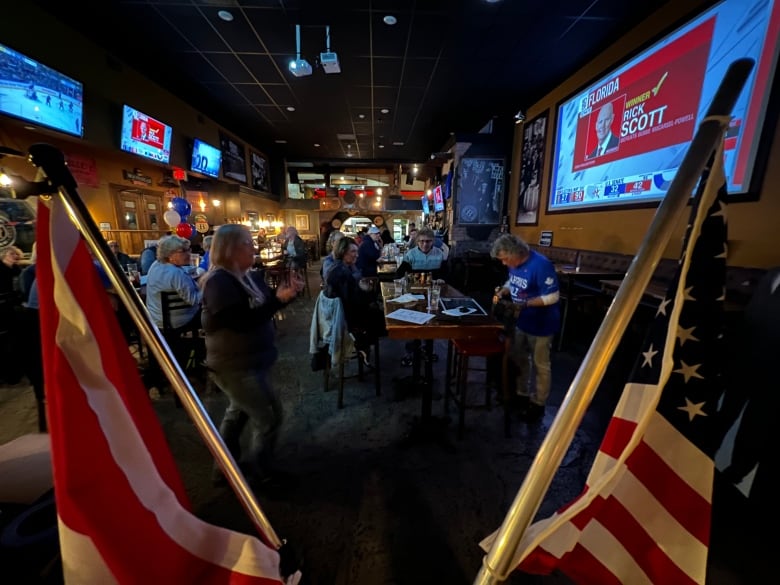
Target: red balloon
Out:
[184,230]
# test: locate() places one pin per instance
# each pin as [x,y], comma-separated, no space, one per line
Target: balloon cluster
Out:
[176,217]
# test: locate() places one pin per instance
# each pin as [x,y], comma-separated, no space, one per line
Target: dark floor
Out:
[366,508]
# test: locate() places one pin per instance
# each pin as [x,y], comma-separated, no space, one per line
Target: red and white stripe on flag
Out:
[122,509]
[644,515]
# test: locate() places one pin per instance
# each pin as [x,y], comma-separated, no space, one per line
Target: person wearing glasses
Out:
[424,256]
[169,274]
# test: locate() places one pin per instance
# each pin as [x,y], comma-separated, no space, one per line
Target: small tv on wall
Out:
[621,139]
[206,159]
[145,136]
[426,206]
[438,199]
[40,95]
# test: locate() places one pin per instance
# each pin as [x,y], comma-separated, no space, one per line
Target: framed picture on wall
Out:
[233,158]
[302,223]
[258,166]
[531,168]
[480,190]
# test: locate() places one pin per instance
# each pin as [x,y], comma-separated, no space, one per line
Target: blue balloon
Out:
[182,206]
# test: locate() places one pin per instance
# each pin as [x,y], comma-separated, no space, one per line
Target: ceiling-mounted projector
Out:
[330,62]
[300,67]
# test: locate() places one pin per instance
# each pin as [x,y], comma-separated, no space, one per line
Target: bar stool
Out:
[459,353]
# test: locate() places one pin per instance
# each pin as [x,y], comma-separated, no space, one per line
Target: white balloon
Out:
[172,217]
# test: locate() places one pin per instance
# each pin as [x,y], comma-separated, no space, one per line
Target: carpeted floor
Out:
[361,505]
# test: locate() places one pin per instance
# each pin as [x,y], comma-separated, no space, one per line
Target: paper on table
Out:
[417,317]
[459,311]
[406,298]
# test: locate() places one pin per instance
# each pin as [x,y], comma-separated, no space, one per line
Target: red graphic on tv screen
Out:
[438,199]
[149,131]
[650,106]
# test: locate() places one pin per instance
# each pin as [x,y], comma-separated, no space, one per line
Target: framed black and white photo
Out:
[233,158]
[258,166]
[480,190]
[531,169]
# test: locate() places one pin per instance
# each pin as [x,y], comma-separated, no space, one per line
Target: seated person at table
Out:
[369,251]
[294,248]
[329,260]
[204,260]
[424,257]
[123,258]
[148,256]
[365,318]
[167,274]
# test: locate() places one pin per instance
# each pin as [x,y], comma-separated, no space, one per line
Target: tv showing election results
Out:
[206,159]
[621,139]
[145,136]
[38,94]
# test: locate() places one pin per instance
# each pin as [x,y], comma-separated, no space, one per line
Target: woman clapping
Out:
[238,308]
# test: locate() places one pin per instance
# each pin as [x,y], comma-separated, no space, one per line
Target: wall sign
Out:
[480,190]
[136,177]
[546,238]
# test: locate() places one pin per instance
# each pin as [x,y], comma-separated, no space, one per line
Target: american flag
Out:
[123,512]
[644,515]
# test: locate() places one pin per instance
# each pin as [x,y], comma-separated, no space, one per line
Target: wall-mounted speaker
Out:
[409,179]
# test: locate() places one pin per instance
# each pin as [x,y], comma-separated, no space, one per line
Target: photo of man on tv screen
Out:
[607,141]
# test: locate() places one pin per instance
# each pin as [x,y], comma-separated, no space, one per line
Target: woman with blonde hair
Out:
[238,308]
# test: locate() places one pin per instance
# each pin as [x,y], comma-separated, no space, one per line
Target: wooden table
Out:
[440,327]
[569,274]
[386,272]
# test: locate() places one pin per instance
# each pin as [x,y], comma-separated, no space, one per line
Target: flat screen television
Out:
[145,136]
[438,199]
[40,95]
[620,140]
[206,159]
[426,207]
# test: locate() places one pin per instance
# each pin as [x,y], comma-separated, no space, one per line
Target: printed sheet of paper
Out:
[417,317]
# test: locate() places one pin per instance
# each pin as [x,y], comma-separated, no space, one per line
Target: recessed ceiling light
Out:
[385,111]
[316,145]
[225,15]
[361,116]
[390,19]
[290,108]
[380,145]
[398,143]
[280,141]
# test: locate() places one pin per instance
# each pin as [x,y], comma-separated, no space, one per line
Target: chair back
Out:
[170,301]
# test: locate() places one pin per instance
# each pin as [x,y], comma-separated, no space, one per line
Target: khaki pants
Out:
[532,352]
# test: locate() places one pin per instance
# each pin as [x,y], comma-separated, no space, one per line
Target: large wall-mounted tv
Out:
[206,159]
[40,95]
[145,136]
[233,158]
[621,139]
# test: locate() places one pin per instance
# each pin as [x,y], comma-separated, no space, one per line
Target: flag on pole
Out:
[644,515]
[122,510]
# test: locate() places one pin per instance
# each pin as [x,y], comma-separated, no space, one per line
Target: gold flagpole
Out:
[53,170]
[498,563]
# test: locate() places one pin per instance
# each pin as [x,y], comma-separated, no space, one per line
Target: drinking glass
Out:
[434,294]
[399,285]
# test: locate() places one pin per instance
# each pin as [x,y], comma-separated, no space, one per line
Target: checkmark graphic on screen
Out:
[657,88]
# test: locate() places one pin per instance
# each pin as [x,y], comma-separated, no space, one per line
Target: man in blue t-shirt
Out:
[533,287]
